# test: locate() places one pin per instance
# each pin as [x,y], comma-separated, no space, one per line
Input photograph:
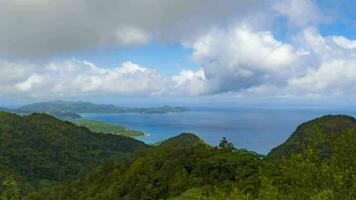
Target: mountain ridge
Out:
[87,107]
[181,167]
[321,130]
[45,150]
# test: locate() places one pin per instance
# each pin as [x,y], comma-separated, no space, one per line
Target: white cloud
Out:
[239,58]
[190,83]
[76,78]
[335,77]
[38,28]
[244,62]
[29,83]
[330,67]
[344,42]
[131,35]
[236,61]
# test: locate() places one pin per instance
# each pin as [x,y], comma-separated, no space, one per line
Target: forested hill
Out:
[43,150]
[86,107]
[318,162]
[183,140]
[321,132]
[168,170]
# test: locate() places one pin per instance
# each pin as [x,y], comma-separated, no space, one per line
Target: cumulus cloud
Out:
[244,62]
[29,83]
[344,42]
[75,78]
[191,83]
[330,66]
[34,28]
[237,50]
[240,58]
[335,77]
[237,61]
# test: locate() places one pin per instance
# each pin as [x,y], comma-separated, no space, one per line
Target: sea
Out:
[256,129]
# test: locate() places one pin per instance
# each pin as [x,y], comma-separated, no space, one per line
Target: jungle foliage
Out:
[318,162]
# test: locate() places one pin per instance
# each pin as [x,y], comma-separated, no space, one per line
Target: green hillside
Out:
[165,171]
[44,150]
[102,127]
[321,131]
[318,162]
[184,140]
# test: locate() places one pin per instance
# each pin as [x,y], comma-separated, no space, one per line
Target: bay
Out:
[257,129]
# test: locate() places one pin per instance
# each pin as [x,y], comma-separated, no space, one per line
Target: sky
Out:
[178,50]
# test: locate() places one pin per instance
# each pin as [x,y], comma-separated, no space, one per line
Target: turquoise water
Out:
[255,129]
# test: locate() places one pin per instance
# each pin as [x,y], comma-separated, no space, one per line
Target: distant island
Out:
[87,107]
[70,111]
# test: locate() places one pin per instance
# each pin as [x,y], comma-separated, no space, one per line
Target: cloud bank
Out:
[239,52]
[35,28]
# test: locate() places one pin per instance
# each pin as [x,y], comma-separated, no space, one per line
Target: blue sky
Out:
[169,59]
[344,18]
[198,50]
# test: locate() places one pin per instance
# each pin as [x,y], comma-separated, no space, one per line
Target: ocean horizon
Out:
[253,128]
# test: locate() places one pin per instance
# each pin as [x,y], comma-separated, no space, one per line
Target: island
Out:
[87,107]
[71,110]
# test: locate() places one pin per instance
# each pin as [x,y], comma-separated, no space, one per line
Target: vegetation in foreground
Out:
[319,164]
[102,127]
[40,150]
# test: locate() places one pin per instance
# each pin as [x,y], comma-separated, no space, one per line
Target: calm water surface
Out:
[256,129]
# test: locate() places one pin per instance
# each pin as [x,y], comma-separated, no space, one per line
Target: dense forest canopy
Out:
[318,162]
[43,150]
[323,131]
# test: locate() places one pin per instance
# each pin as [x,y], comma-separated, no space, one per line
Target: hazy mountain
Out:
[86,107]
[5,109]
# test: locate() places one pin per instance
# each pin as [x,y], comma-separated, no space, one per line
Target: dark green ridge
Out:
[165,171]
[183,140]
[44,150]
[320,130]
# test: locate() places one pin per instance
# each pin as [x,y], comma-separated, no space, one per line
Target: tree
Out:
[9,190]
[226,145]
[267,190]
